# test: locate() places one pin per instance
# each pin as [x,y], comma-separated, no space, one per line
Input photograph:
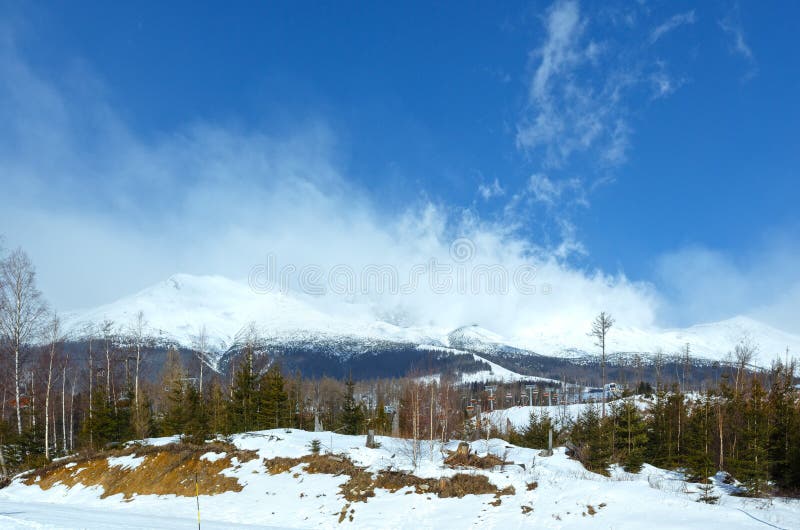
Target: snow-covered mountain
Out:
[176,309]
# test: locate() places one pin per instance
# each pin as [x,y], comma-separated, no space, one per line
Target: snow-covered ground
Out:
[566,496]
[561,415]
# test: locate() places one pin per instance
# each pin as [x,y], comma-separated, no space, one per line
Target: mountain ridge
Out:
[176,308]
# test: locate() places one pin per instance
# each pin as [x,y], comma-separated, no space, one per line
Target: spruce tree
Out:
[784,427]
[352,415]
[592,434]
[630,436]
[243,406]
[273,399]
[536,433]
[195,425]
[699,438]
[752,464]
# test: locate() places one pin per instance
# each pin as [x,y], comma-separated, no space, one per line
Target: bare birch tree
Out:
[139,325]
[64,447]
[55,340]
[743,353]
[107,329]
[200,346]
[602,323]
[22,310]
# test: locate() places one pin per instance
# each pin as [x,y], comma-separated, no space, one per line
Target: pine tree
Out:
[273,399]
[657,425]
[592,434]
[752,463]
[352,415]
[195,425]
[631,435]
[216,409]
[107,424]
[536,433]
[383,421]
[699,438]
[142,417]
[243,406]
[784,427]
[174,384]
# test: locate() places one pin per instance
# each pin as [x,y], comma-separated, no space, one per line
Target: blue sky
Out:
[652,143]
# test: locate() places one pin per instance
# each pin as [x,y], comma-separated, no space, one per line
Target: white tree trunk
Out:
[16,390]
[64,409]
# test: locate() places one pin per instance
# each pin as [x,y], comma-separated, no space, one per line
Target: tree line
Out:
[57,400]
[747,427]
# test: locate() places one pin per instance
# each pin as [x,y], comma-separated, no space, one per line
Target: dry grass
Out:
[462,457]
[165,470]
[362,484]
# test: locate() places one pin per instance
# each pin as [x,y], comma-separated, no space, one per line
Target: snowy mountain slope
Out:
[176,308]
[564,496]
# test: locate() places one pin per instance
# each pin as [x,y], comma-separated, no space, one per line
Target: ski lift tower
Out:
[532,389]
[491,389]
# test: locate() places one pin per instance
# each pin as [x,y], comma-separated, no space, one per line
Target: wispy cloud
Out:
[662,83]
[491,190]
[550,192]
[571,101]
[108,212]
[672,23]
[732,26]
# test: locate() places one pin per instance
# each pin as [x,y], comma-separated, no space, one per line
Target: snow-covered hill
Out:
[176,309]
[269,479]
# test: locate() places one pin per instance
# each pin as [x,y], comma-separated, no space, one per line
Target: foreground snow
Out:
[566,496]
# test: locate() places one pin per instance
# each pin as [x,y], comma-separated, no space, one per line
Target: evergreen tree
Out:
[699,438]
[175,384]
[536,433]
[752,463]
[592,434]
[352,415]
[243,406]
[383,421]
[784,427]
[195,426]
[107,424]
[273,412]
[631,435]
[216,409]
[657,425]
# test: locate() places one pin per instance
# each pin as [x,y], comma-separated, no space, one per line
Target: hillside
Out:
[176,309]
[269,479]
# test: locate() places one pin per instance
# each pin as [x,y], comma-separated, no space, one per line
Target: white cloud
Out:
[672,23]
[545,190]
[575,104]
[560,50]
[488,191]
[732,26]
[662,83]
[701,284]
[107,212]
